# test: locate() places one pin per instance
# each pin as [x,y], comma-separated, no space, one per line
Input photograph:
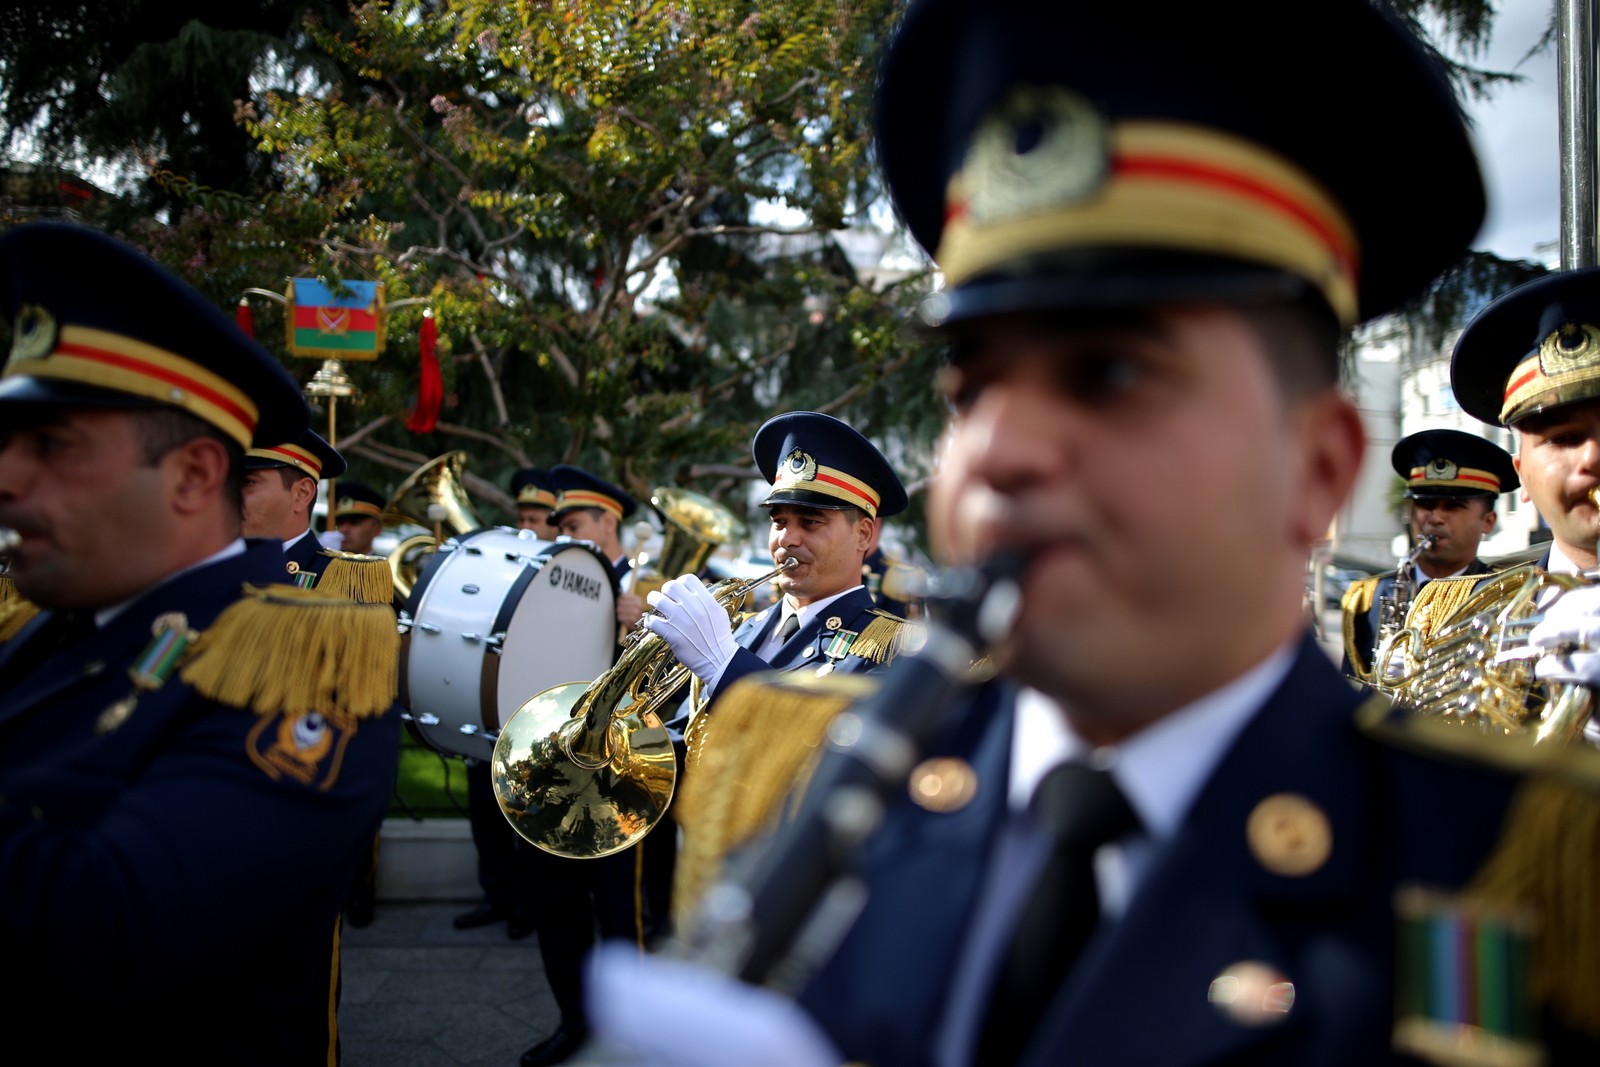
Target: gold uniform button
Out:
[1289,835]
[833,623]
[943,784]
[294,568]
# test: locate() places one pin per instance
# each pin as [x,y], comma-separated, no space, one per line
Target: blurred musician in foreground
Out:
[535,495]
[1452,482]
[1170,832]
[186,793]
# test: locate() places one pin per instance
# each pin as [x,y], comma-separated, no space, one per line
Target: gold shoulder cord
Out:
[285,649]
[756,748]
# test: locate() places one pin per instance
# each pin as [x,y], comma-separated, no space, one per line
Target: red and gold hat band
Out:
[829,481]
[532,494]
[1143,184]
[291,455]
[124,365]
[1565,368]
[1454,477]
[587,498]
[349,506]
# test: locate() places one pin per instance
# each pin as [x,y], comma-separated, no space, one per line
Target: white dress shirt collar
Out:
[1162,767]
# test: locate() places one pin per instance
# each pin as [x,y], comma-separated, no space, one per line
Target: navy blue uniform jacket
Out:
[306,554]
[805,649]
[1138,994]
[161,892]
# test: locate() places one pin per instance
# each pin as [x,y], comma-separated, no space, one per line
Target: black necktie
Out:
[789,626]
[1081,809]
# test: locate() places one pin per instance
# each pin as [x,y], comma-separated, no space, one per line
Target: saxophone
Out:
[1394,605]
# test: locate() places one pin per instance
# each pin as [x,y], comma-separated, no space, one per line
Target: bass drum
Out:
[498,615]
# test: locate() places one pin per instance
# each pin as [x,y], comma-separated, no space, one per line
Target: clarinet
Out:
[1392,608]
[780,911]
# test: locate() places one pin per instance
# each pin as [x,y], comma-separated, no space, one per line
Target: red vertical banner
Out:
[245,318]
[430,382]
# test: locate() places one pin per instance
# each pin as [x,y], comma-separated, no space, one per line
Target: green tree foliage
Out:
[150,84]
[628,218]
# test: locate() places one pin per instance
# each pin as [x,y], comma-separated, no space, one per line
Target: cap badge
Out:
[799,466]
[346,502]
[1441,469]
[1572,346]
[1043,146]
[1289,835]
[35,335]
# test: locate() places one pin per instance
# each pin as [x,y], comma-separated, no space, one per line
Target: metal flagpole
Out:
[1575,66]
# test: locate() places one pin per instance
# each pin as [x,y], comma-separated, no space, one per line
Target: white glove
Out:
[696,1017]
[694,625]
[1569,635]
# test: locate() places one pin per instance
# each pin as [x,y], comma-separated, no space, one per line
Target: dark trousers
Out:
[576,902]
[505,869]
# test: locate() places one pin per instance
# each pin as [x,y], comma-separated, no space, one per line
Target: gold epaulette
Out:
[364,579]
[1546,863]
[757,747]
[16,610]
[286,649]
[883,638]
[1355,603]
[1439,600]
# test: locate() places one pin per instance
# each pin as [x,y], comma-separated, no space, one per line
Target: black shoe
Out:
[567,1039]
[484,914]
[520,927]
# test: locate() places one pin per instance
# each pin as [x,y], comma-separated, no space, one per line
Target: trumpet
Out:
[584,770]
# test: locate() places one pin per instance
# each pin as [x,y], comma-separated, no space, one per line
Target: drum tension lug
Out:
[472,638]
[427,627]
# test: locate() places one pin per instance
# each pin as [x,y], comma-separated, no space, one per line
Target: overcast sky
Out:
[1517,137]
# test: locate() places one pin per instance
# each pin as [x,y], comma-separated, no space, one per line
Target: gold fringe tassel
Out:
[16,611]
[1548,862]
[758,746]
[295,650]
[880,642]
[364,579]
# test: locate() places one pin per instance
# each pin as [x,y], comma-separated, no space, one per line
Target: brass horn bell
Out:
[431,496]
[586,770]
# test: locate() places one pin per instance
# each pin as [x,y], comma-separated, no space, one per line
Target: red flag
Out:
[430,383]
[243,316]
